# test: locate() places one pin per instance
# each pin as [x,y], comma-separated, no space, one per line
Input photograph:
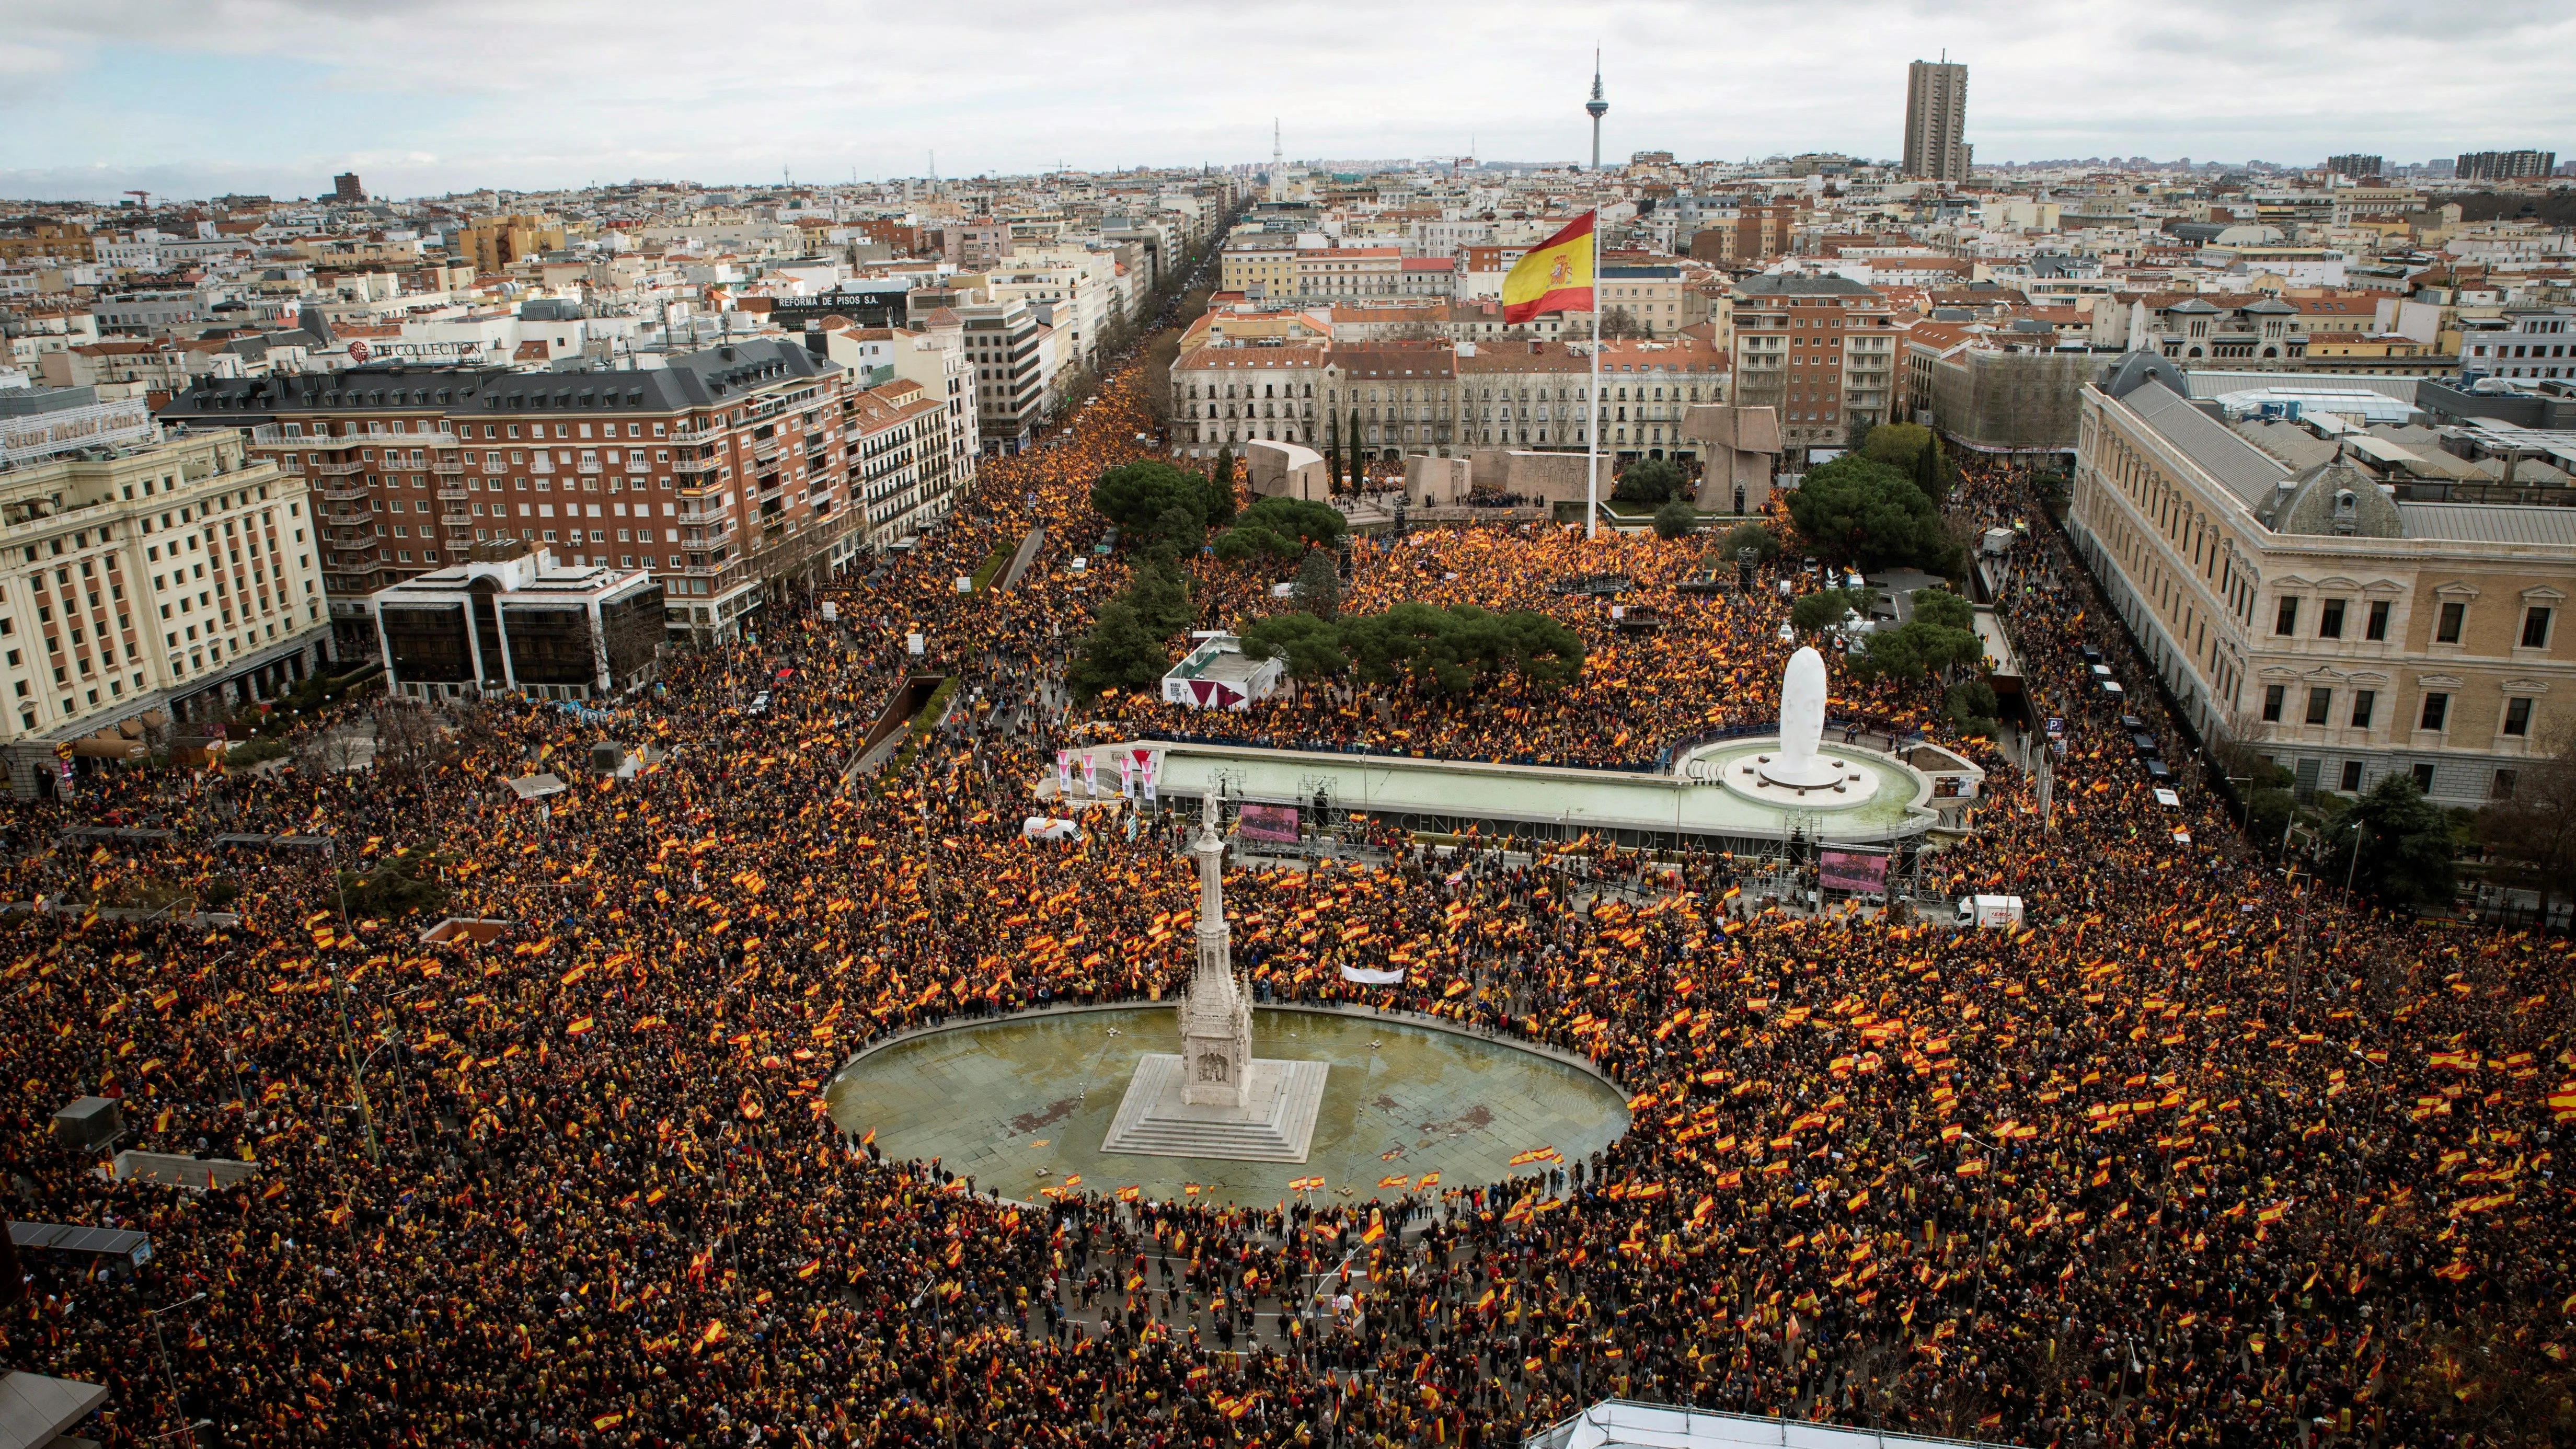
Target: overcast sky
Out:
[197,97]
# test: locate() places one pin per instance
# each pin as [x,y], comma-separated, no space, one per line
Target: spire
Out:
[1596,107]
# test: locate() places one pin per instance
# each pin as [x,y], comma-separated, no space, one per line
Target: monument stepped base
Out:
[1275,1125]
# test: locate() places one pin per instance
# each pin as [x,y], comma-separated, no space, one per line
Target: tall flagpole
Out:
[1592,407]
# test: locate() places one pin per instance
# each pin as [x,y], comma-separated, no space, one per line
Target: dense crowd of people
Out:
[2197,1156]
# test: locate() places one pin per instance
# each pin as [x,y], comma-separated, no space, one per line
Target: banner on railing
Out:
[1366,977]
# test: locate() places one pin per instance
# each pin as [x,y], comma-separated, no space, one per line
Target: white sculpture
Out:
[1802,727]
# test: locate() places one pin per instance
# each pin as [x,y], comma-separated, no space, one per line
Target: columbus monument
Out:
[1214,1098]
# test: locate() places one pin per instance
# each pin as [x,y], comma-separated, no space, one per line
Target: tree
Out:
[1314,523]
[1246,543]
[1319,585]
[1118,653]
[1856,510]
[1764,543]
[1220,510]
[1161,599]
[1618,323]
[1938,636]
[2268,804]
[1176,534]
[1137,495]
[1359,459]
[1943,609]
[1971,707]
[1454,650]
[1815,613]
[2403,842]
[1279,528]
[1896,444]
[1311,645]
[1647,483]
[2534,831]
[1932,472]
[1676,519]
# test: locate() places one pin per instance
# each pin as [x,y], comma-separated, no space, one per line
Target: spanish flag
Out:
[1554,276]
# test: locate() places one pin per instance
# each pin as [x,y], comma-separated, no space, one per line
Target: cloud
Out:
[435,95]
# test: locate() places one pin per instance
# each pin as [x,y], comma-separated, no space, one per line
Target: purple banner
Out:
[1269,822]
[1842,871]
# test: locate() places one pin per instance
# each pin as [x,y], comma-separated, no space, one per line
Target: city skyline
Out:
[276,96]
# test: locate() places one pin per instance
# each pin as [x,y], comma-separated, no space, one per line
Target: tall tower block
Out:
[1596,107]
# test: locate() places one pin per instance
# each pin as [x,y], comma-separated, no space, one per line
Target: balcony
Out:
[684,438]
[325,468]
[697,465]
[344,492]
[447,465]
[589,465]
[270,435]
[451,495]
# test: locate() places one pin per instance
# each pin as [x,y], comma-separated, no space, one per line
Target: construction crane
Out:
[142,200]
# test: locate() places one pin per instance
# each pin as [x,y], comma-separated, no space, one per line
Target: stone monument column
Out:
[1215,1019]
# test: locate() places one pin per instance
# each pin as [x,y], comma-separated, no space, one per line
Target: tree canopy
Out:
[1455,650]
[1319,585]
[1647,483]
[1857,510]
[1279,528]
[1126,648]
[2395,843]
[1138,497]
[1939,636]
[1814,613]
[1676,519]
[1764,543]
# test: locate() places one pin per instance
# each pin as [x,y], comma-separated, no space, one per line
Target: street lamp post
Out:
[339,999]
[167,1377]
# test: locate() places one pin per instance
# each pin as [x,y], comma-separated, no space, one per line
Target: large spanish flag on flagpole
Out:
[1554,276]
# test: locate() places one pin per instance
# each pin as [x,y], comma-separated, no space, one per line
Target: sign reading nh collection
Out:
[363,350]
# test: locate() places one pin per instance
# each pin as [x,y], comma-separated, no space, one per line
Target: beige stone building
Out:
[1444,398]
[143,572]
[2347,634]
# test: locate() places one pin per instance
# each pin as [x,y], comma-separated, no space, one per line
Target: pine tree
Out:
[1359,459]
[1929,468]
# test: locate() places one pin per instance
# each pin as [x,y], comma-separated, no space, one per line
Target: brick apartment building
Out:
[720,472]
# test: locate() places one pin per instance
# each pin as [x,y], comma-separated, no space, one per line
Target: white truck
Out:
[1990,912]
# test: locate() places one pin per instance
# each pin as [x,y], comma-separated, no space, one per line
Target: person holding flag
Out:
[1557,276]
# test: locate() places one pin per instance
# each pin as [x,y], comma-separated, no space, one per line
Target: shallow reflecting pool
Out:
[1023,1104]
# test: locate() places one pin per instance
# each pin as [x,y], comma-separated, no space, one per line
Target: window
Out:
[2437,710]
[2453,615]
[2501,788]
[2517,716]
[2319,702]
[2287,621]
[2362,702]
[2273,695]
[2423,779]
[2377,628]
[2330,619]
[2351,776]
[2535,628]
